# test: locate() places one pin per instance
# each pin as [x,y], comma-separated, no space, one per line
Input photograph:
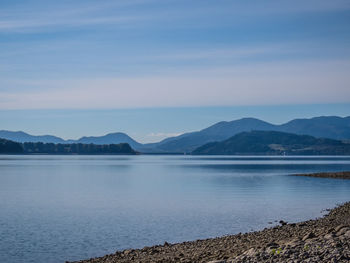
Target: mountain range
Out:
[327,127]
[274,143]
[111,138]
[321,127]
[20,136]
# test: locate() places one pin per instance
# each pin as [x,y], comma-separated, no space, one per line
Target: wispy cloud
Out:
[296,6]
[38,25]
[132,71]
[85,13]
[234,52]
[42,24]
[264,84]
[69,15]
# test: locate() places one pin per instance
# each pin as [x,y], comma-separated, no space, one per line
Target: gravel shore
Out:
[326,239]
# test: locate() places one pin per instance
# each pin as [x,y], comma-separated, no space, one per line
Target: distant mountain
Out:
[19,136]
[274,143]
[328,127]
[217,132]
[111,138]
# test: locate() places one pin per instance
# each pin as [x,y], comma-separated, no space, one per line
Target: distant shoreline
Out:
[68,154]
[320,240]
[333,175]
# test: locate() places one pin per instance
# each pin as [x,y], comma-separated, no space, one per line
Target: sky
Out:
[159,68]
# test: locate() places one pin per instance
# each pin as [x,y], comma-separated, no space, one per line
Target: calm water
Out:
[57,208]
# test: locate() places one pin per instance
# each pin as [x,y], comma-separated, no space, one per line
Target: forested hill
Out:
[274,143]
[11,147]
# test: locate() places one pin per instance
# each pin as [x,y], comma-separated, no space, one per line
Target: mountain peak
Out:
[111,138]
[117,134]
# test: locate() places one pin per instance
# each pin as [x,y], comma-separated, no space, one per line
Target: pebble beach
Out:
[326,239]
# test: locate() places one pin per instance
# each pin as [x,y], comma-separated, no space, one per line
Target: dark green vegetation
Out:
[324,127]
[7,146]
[77,148]
[274,143]
[11,147]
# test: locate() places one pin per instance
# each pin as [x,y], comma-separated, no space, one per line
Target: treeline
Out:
[11,147]
[7,146]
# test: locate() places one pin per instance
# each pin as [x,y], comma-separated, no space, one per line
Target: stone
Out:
[329,236]
[250,252]
[347,234]
[342,231]
[272,245]
[308,236]
[283,223]
[293,243]
[339,227]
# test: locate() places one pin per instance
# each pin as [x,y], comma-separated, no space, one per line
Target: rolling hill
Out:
[327,126]
[19,136]
[220,131]
[274,143]
[111,138]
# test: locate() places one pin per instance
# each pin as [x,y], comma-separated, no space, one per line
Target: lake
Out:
[57,208]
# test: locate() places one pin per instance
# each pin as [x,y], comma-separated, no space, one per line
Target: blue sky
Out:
[154,68]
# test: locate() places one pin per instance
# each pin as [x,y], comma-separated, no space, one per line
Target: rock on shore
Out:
[326,239]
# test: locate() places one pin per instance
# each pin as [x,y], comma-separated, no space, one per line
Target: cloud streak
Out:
[42,24]
[68,16]
[264,84]
[85,13]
